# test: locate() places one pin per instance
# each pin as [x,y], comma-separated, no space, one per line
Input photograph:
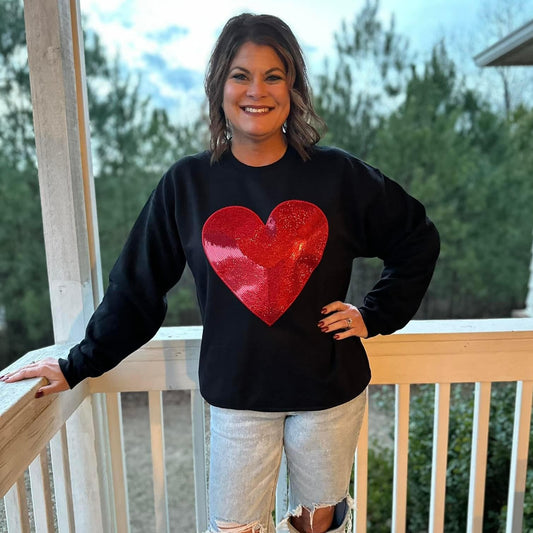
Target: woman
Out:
[269,224]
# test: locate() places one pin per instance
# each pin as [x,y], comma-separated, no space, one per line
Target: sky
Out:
[169,41]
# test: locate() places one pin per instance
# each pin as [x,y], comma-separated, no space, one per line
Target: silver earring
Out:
[227,131]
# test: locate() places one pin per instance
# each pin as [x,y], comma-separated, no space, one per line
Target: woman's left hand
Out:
[344,319]
[46,368]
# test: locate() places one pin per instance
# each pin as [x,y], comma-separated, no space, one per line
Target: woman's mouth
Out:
[255,110]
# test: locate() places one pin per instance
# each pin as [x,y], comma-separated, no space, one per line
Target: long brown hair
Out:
[303,123]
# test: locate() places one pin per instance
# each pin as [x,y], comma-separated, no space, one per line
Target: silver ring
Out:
[349,320]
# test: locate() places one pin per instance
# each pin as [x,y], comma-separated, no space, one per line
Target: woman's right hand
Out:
[46,368]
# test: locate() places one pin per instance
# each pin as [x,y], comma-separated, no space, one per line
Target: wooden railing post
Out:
[478,460]
[519,456]
[57,80]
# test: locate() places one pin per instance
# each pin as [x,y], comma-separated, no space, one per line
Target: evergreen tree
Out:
[446,147]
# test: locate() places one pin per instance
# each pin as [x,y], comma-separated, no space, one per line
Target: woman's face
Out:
[256,97]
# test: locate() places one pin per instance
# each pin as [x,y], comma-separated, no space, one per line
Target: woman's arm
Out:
[134,305]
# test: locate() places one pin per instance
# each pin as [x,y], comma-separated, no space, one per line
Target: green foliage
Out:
[23,280]
[448,149]
[380,464]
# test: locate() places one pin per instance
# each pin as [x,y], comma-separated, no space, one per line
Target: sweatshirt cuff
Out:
[370,321]
[69,371]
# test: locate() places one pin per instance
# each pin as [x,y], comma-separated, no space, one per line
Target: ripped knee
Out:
[321,518]
[233,527]
[317,520]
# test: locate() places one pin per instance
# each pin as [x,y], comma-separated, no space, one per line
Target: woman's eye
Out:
[239,77]
[274,77]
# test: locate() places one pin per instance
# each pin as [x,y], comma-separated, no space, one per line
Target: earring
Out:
[227,131]
[284,127]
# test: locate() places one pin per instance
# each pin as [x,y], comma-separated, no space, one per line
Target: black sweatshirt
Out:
[268,247]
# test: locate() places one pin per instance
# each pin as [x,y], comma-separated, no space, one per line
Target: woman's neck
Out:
[259,154]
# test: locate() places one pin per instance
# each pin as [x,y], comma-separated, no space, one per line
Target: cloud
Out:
[122,13]
[155,61]
[177,77]
[183,78]
[168,34]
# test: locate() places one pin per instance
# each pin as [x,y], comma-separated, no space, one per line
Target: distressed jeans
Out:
[246,450]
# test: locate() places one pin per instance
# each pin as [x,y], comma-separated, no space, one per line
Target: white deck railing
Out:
[439,352]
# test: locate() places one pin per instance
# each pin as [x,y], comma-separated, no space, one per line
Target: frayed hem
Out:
[234,527]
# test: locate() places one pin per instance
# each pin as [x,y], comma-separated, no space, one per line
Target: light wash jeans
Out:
[246,449]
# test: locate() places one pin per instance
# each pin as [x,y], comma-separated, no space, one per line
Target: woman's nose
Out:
[256,88]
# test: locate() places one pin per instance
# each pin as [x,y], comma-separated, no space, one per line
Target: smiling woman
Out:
[269,223]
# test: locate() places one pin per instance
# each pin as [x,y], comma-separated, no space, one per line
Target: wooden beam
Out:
[67,198]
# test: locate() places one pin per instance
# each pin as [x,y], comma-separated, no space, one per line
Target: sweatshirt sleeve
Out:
[134,305]
[398,232]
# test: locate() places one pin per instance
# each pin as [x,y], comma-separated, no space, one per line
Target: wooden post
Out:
[69,222]
[478,458]
[529,297]
[401,453]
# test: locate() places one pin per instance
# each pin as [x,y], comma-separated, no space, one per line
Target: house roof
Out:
[514,49]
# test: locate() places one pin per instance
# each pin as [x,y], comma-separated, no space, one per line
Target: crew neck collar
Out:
[289,151]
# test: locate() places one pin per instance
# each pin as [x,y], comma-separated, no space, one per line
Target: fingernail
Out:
[39,394]
[336,337]
[321,324]
[324,311]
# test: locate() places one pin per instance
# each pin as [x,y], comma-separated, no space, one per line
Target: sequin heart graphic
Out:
[267,265]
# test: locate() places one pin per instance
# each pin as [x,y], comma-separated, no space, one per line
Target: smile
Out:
[256,110]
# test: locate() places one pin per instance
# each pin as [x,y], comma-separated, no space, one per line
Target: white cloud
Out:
[204,24]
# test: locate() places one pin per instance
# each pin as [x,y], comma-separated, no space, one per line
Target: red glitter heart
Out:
[266,265]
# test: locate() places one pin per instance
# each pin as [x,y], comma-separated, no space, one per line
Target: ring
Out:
[349,320]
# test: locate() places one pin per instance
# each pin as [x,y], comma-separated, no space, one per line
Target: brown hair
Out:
[303,124]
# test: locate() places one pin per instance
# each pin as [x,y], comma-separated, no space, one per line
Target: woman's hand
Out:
[344,319]
[47,368]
